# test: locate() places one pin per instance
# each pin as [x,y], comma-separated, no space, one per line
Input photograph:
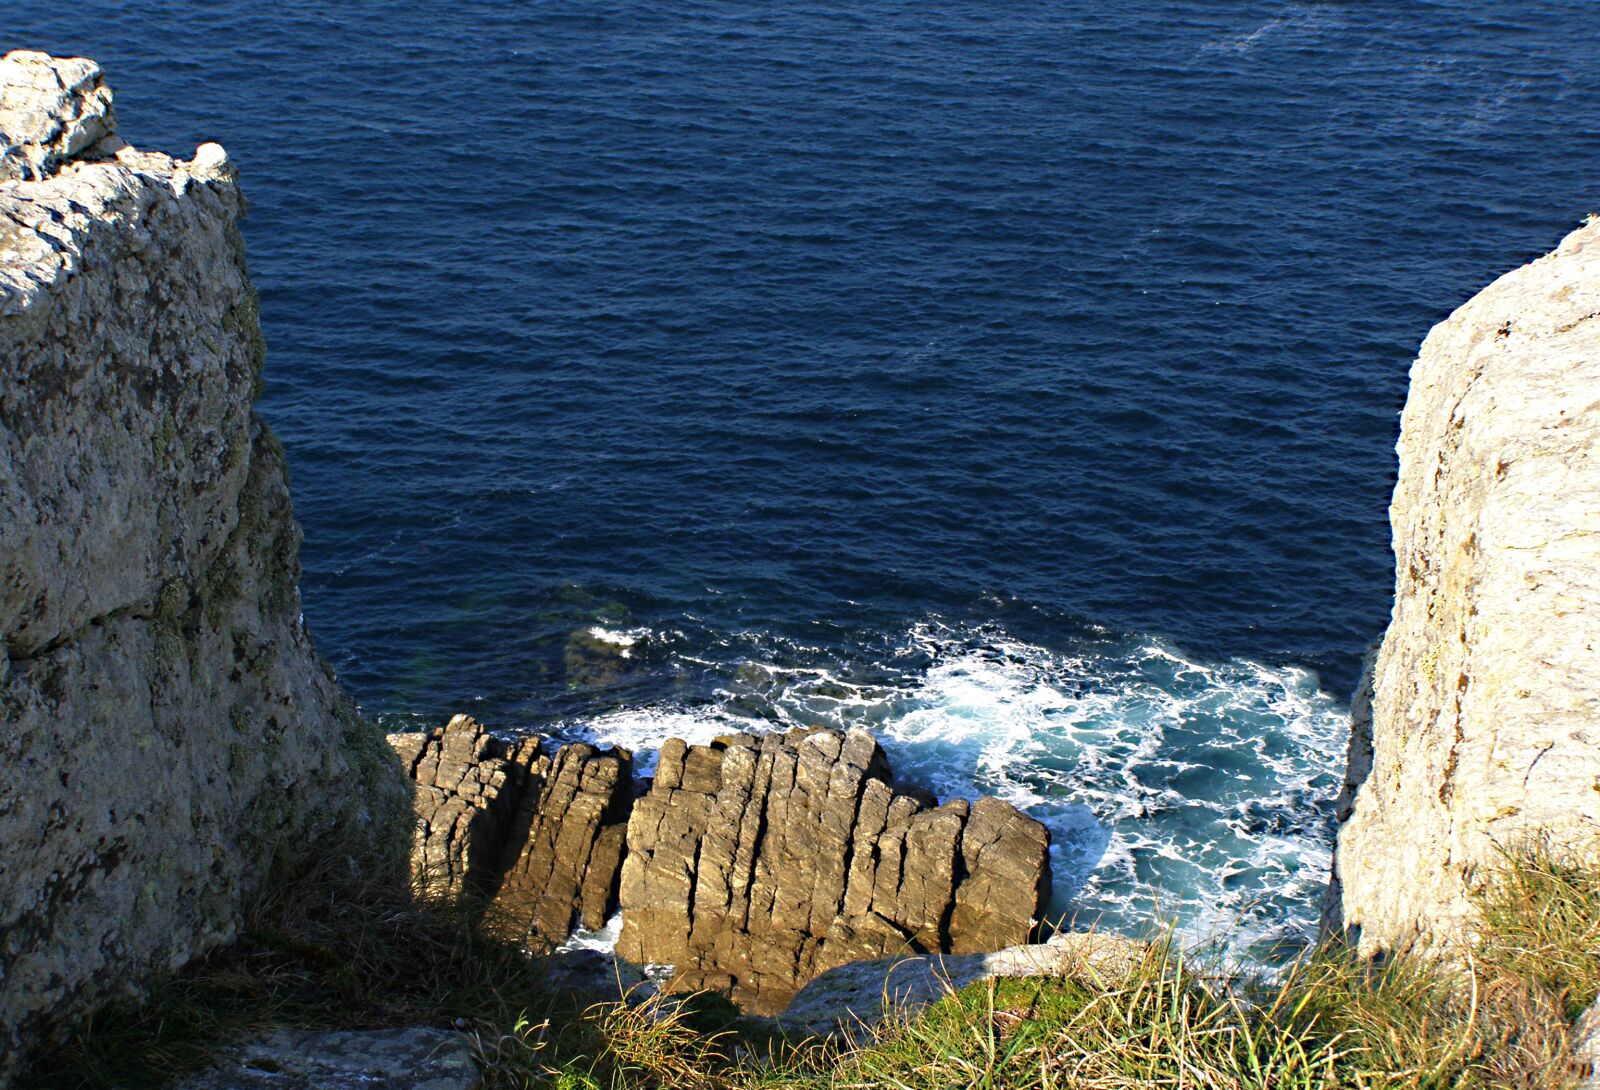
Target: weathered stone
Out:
[537,837]
[861,993]
[755,863]
[1003,852]
[1586,1049]
[417,1058]
[52,109]
[170,734]
[469,785]
[563,858]
[1485,696]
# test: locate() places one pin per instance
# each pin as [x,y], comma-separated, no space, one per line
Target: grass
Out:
[319,955]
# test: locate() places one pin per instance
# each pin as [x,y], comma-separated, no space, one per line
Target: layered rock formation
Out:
[755,864]
[535,835]
[750,865]
[469,786]
[563,858]
[1485,696]
[168,727]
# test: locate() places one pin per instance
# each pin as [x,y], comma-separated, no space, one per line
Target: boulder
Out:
[414,1058]
[864,992]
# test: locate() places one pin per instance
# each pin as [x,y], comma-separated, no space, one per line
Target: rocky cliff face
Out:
[751,865]
[533,831]
[168,726]
[757,863]
[1485,695]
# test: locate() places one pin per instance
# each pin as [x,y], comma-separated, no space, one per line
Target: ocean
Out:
[1018,381]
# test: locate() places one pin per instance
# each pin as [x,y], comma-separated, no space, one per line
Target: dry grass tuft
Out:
[321,953]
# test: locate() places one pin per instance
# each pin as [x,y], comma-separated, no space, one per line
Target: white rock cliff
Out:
[168,728]
[1485,695]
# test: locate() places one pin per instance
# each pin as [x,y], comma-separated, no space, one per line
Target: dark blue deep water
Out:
[1018,380]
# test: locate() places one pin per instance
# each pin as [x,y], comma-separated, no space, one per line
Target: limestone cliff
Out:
[167,724]
[1485,695]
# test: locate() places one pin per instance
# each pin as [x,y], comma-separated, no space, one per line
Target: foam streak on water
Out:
[1174,788]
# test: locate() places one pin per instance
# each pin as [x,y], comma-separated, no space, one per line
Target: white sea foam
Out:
[625,639]
[1200,790]
[643,730]
[603,940]
[1301,22]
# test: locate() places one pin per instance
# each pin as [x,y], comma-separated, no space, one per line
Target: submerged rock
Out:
[757,863]
[597,657]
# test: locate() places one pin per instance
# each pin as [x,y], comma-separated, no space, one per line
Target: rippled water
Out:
[1019,380]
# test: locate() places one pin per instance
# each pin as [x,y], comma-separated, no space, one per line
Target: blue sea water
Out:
[1017,380]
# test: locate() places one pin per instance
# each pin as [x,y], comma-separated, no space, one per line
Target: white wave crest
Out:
[1199,790]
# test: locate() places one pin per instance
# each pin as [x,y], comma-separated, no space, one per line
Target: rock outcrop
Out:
[750,865]
[169,730]
[564,855]
[469,786]
[758,863]
[862,993]
[536,836]
[1485,696]
[54,109]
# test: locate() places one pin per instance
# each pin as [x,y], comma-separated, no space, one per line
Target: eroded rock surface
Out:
[863,993]
[169,730]
[52,110]
[537,834]
[469,785]
[750,865]
[564,857]
[1485,696]
[757,863]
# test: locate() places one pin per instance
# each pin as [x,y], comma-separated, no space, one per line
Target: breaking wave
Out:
[1176,789]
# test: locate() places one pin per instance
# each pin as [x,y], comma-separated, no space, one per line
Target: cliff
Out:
[169,730]
[1484,723]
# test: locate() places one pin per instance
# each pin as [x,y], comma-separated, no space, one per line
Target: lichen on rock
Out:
[1484,725]
[171,736]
